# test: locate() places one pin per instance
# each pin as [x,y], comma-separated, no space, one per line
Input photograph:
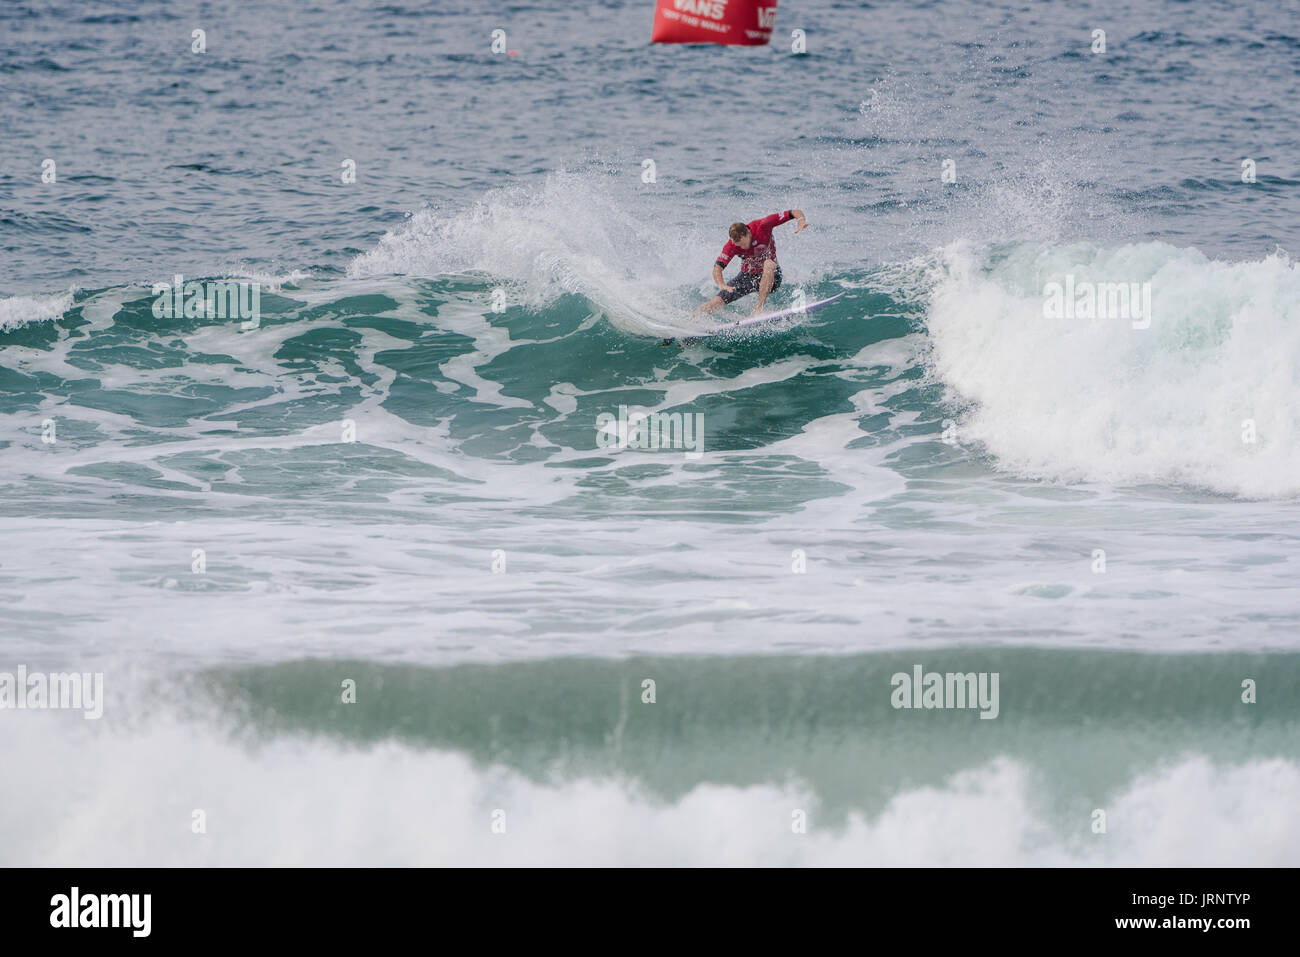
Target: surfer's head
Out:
[740,235]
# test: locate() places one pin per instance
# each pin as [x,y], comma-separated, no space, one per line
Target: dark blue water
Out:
[169,159]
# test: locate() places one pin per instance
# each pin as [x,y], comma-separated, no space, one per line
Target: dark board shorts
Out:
[746,283]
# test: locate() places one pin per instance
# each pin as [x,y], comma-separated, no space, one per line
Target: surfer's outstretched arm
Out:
[797,216]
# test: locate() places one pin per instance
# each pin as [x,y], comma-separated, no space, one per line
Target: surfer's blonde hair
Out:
[737,232]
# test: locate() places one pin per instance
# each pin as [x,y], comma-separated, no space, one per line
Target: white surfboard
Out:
[773,317]
[792,313]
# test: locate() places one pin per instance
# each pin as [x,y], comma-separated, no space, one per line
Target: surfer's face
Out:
[745,241]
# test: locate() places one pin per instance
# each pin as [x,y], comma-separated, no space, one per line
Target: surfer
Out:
[759,271]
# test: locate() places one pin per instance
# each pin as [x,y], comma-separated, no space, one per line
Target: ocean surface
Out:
[395,487]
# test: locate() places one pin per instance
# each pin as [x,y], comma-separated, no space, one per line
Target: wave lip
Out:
[575,233]
[1204,395]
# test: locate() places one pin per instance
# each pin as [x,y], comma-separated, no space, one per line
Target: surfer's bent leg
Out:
[717,302]
[771,279]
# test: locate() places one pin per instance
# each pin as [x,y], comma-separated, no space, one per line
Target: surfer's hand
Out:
[727,288]
[803,224]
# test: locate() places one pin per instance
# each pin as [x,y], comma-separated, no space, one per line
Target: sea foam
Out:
[1204,397]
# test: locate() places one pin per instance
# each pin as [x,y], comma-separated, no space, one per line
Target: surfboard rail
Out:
[794,312]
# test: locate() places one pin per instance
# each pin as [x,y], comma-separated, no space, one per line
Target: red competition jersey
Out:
[761,249]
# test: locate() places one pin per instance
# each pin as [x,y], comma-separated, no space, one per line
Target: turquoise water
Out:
[399,476]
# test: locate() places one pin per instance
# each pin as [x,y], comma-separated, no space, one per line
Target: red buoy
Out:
[742,22]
